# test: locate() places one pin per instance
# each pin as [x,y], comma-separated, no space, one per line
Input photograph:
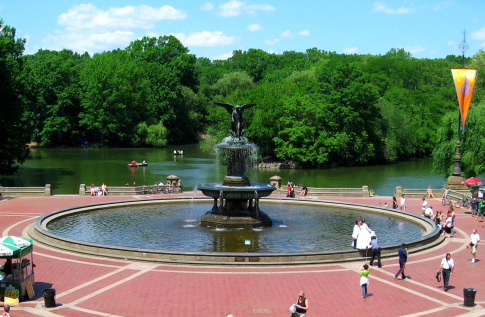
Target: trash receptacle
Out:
[49,299]
[469,296]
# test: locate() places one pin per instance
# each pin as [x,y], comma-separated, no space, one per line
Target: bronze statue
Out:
[237,126]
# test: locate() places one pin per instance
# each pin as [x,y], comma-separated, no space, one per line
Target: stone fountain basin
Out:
[236,192]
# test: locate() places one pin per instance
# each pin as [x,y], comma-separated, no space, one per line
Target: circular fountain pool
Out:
[170,230]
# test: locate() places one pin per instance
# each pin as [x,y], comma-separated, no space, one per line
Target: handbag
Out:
[438,276]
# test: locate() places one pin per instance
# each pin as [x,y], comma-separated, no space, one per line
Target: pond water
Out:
[175,227]
[65,169]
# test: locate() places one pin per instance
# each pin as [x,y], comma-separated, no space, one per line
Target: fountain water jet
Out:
[236,199]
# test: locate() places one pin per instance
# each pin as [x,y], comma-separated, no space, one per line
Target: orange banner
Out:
[464,79]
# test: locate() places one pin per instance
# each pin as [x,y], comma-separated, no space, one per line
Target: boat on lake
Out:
[136,164]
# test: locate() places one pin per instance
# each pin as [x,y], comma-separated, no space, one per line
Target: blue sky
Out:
[213,29]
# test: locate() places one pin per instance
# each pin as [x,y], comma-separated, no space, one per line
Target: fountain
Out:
[236,199]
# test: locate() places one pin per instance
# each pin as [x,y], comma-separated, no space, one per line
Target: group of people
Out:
[291,190]
[402,206]
[97,191]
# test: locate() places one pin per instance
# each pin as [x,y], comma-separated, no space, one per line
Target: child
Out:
[7,310]
[364,279]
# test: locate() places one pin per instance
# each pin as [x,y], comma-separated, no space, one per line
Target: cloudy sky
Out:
[214,29]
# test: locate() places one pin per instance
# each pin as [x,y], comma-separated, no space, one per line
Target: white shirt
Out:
[475,238]
[429,212]
[447,264]
[403,201]
[425,205]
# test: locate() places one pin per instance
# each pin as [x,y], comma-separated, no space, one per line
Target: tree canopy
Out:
[317,108]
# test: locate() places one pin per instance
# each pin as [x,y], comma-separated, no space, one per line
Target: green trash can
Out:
[469,296]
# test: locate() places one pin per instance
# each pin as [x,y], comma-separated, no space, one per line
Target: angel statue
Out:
[237,126]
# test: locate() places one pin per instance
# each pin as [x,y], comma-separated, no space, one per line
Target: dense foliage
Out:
[316,108]
[12,145]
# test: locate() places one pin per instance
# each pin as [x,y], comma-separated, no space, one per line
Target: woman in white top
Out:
[447,267]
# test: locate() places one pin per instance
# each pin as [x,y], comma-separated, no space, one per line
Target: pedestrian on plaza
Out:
[301,305]
[403,258]
[364,279]
[437,220]
[474,205]
[376,251]
[6,308]
[424,205]
[428,213]
[403,202]
[448,225]
[474,239]
[394,203]
[480,210]
[447,267]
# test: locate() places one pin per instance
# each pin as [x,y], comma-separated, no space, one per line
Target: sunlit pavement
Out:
[91,286]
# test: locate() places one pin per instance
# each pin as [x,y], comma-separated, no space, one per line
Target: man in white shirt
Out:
[403,203]
[424,205]
[428,213]
[447,267]
[474,239]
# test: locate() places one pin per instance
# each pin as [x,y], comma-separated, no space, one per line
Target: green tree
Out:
[13,150]
[115,94]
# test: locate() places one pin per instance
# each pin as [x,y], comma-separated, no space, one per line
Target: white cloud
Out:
[271,41]
[414,49]
[205,39]
[380,6]
[287,34]
[478,34]
[351,50]
[207,7]
[304,33]
[87,16]
[223,56]
[87,42]
[88,28]
[235,8]
[255,27]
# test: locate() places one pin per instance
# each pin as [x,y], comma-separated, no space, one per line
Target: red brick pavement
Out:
[91,286]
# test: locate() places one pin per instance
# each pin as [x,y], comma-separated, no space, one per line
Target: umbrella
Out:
[472,181]
[7,250]
[18,242]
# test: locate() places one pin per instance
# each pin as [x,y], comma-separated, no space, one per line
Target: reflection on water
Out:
[163,227]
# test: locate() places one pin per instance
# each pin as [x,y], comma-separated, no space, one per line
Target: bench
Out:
[25,191]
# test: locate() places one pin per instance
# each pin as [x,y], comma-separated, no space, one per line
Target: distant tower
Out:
[463,48]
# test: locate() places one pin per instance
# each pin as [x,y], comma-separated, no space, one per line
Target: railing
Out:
[133,190]
[25,191]
[342,192]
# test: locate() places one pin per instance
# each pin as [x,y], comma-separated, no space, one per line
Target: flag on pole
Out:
[464,79]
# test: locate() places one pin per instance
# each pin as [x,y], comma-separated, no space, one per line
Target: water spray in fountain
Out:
[236,199]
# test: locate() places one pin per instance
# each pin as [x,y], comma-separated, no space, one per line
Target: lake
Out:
[65,169]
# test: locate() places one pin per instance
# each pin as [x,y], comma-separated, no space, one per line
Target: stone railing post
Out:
[275,181]
[82,190]
[398,192]
[365,191]
[47,190]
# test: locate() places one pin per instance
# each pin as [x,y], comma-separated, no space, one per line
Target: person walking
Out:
[403,203]
[301,305]
[424,205]
[474,239]
[364,279]
[447,267]
[394,203]
[403,258]
[376,251]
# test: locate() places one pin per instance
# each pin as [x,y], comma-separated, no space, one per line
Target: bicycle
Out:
[172,190]
[445,201]
[464,202]
[148,190]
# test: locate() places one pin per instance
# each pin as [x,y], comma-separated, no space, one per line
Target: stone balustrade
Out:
[25,191]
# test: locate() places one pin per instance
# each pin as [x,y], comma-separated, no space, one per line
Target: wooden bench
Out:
[25,191]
